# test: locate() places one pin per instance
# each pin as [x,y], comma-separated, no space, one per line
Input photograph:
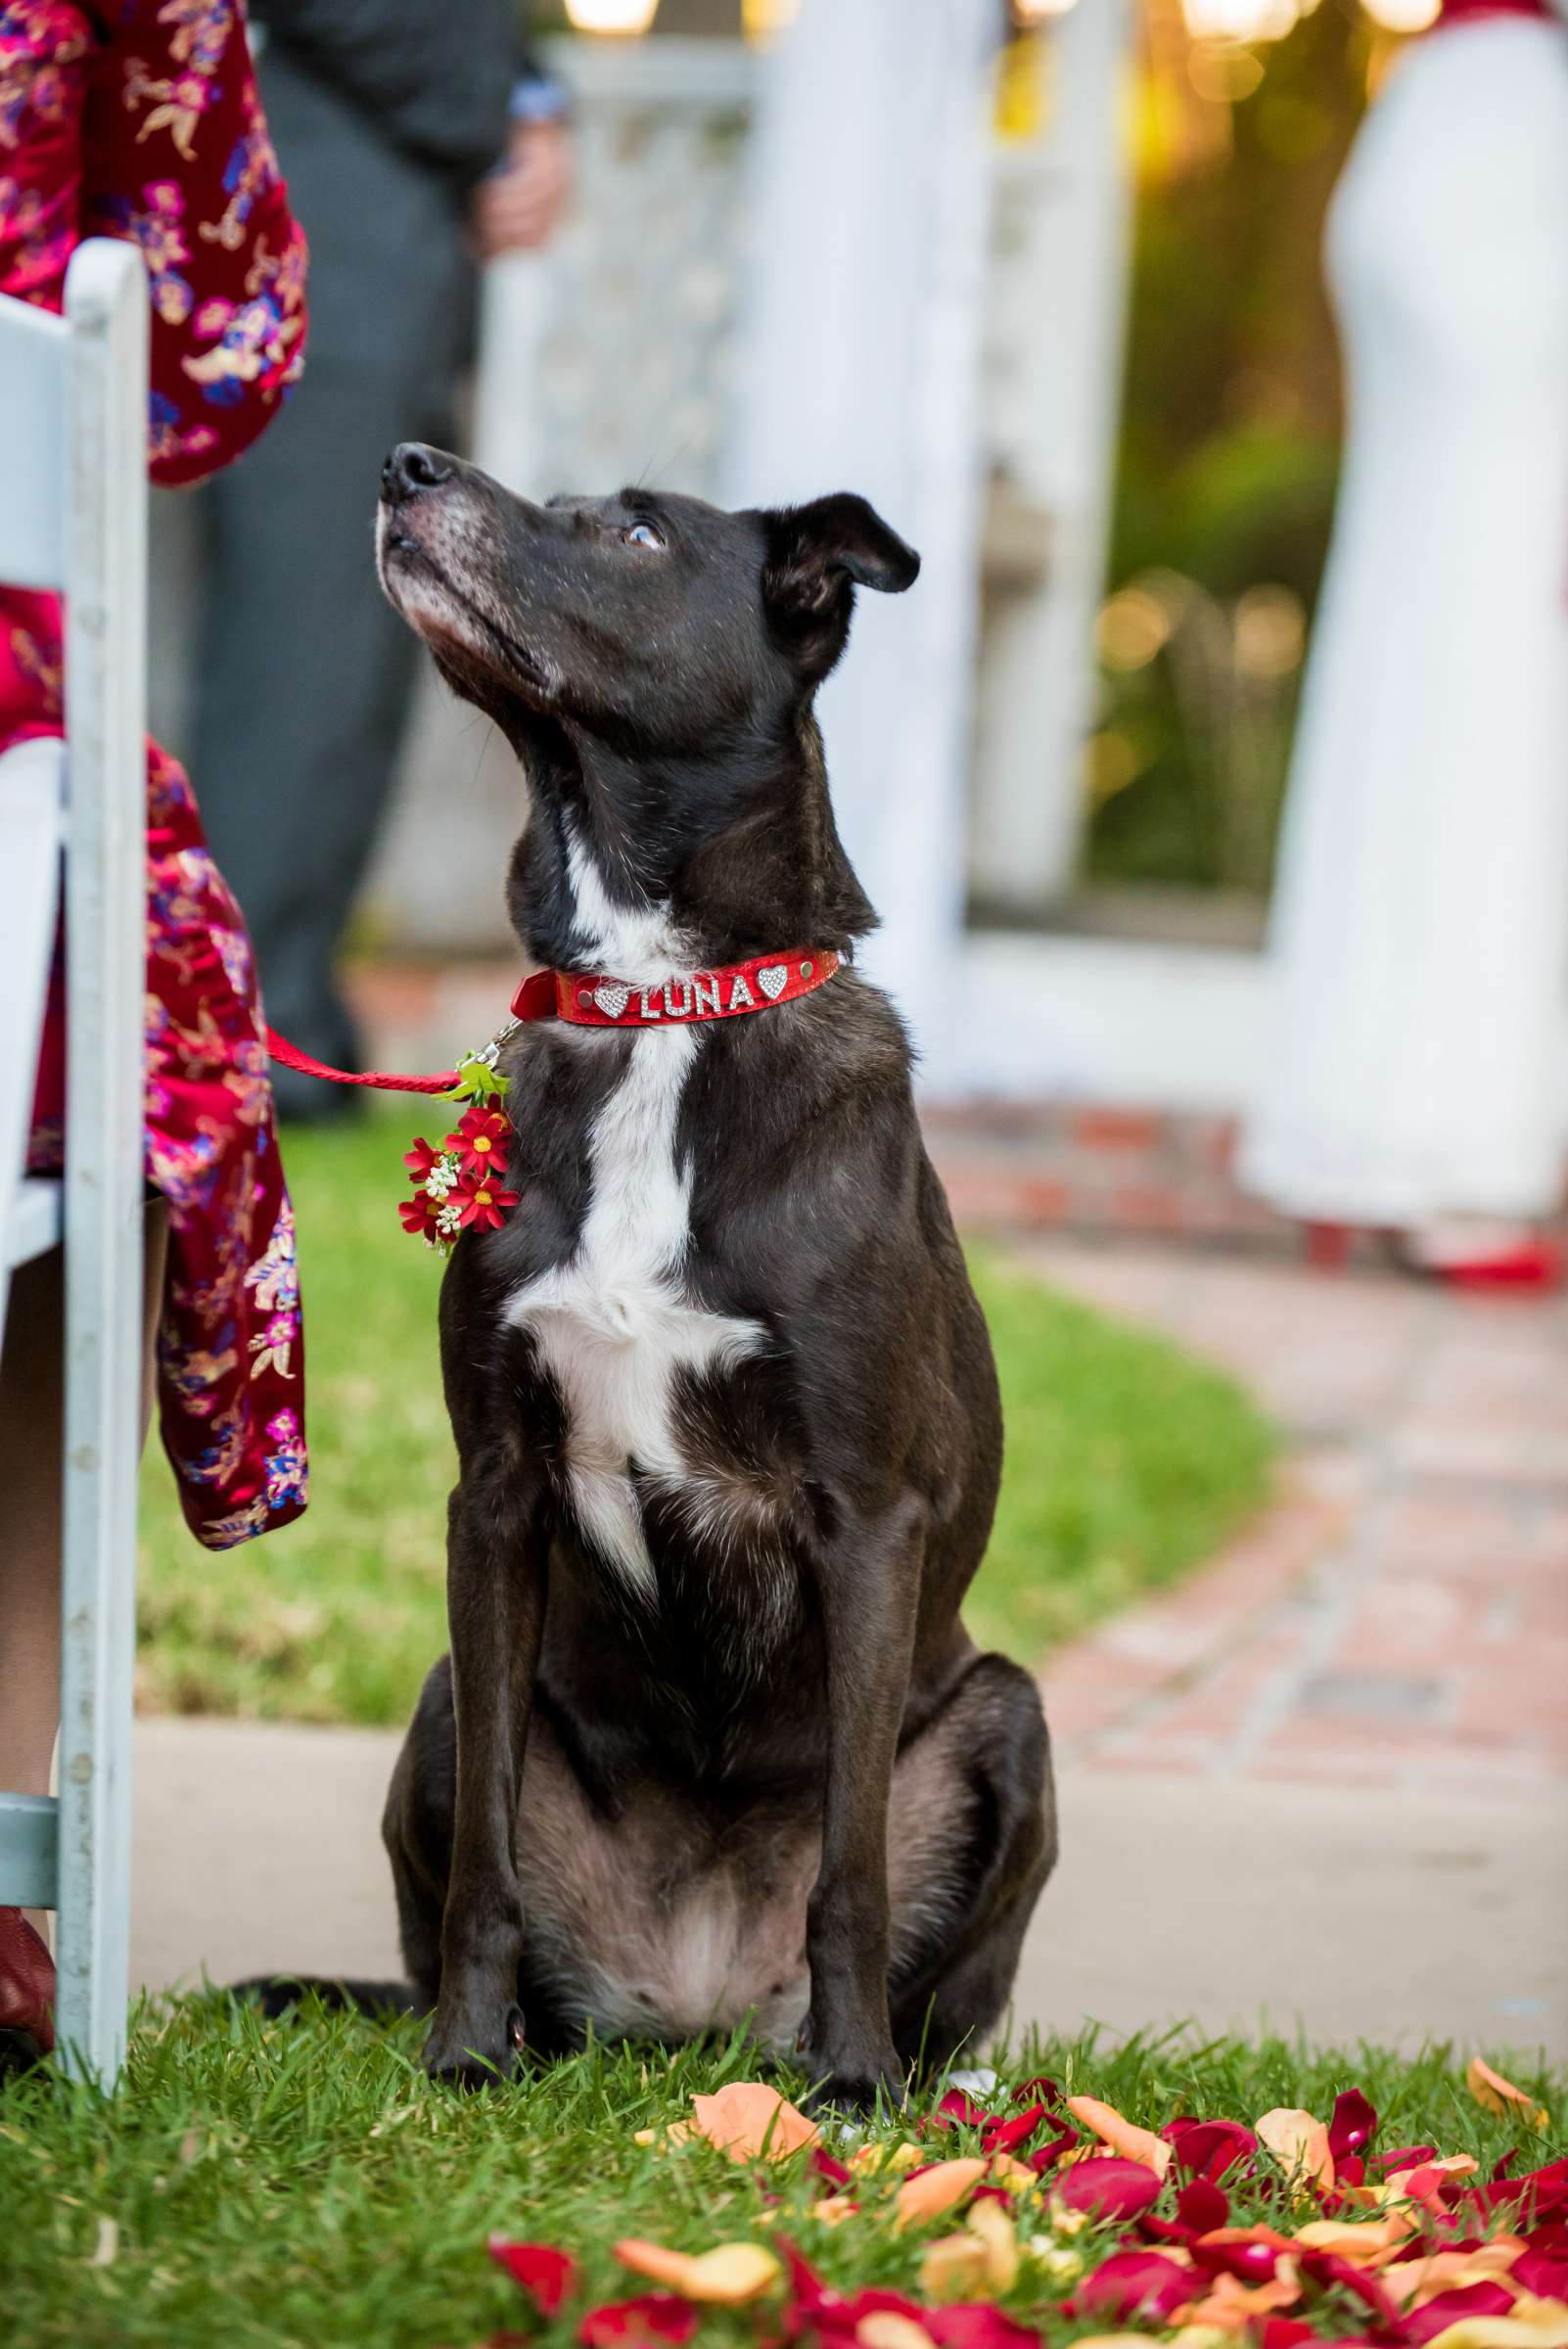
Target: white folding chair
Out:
[74,518]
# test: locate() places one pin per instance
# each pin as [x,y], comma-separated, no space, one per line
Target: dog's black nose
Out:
[410,467]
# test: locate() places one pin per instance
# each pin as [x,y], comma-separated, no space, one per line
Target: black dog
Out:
[711,1739]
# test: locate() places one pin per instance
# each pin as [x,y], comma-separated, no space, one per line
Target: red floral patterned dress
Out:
[139,118]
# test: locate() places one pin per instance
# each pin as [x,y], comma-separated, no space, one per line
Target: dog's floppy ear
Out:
[817,555]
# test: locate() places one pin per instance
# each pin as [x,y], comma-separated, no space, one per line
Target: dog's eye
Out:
[642,534]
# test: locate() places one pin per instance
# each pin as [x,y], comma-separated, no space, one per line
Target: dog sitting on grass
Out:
[711,1741]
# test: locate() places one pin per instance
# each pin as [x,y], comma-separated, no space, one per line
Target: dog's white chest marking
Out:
[614,1323]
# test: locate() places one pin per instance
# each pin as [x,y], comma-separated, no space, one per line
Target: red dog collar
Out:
[593,999]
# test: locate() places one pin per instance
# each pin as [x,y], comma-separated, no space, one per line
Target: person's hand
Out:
[517,208]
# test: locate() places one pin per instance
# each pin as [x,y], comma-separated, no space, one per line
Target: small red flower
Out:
[482,1141]
[419,1214]
[421,1160]
[482,1204]
[547,2274]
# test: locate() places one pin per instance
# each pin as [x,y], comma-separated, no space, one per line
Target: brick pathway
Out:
[1400,1618]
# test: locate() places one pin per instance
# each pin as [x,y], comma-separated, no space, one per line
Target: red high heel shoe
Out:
[26,1994]
[1530,1264]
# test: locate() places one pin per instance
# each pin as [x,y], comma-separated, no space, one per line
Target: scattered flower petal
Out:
[934,2191]
[979,2328]
[547,2275]
[729,2276]
[1495,2095]
[1298,2142]
[1137,2283]
[1351,2125]
[1108,2187]
[886,2329]
[750,2121]
[1124,2136]
[653,2321]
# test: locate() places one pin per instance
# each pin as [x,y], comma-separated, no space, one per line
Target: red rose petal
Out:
[1005,2136]
[1446,2308]
[1353,2127]
[1284,2332]
[975,2325]
[648,2322]
[1407,2157]
[1328,2268]
[1042,2090]
[1209,2148]
[1201,2205]
[837,2173]
[957,2107]
[1108,2187]
[1135,2284]
[547,2274]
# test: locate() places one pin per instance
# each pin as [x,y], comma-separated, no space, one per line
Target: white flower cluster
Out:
[441,1179]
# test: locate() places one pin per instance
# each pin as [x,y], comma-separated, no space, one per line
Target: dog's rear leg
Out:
[497,1558]
[974,1840]
[868,1582]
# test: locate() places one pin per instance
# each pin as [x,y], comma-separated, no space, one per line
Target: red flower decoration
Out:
[482,1141]
[649,2322]
[419,1214]
[421,1160]
[482,1204]
[547,2274]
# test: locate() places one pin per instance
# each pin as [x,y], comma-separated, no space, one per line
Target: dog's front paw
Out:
[461,2052]
[853,2084]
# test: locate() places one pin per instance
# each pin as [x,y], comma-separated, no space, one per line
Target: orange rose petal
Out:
[1122,2135]
[748,2120]
[1233,2304]
[1298,2141]
[725,2276]
[935,2191]
[885,2328]
[834,2210]
[954,2267]
[995,2229]
[1544,2326]
[1367,2243]
[1495,2095]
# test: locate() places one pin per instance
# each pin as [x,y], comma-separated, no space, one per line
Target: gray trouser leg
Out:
[303,680]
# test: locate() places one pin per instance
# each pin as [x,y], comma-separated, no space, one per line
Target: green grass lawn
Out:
[1127,1463]
[301,2183]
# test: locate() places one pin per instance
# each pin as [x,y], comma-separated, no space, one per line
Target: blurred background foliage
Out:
[1229,440]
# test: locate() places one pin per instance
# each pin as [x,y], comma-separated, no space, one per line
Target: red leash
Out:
[290,1057]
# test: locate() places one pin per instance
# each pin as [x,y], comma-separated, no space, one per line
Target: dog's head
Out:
[651,657]
[655,622]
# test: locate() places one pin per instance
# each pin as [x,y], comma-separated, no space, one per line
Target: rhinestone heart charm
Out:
[772,980]
[611,1000]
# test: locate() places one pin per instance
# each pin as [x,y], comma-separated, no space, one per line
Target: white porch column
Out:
[858,369]
[1057,439]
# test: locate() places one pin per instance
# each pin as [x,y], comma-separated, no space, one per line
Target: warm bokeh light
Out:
[621,16]
[1035,12]
[1240,19]
[763,20]
[1270,632]
[1403,16]
[1132,628]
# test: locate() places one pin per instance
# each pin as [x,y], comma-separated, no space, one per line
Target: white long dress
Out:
[1415,1063]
